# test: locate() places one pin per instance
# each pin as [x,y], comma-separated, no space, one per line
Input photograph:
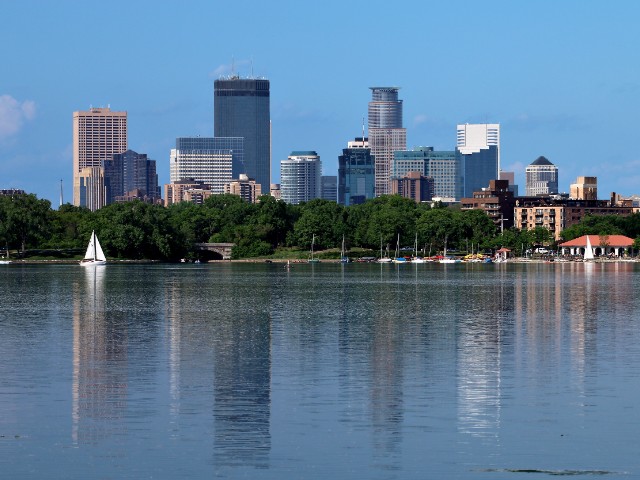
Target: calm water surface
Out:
[324,371]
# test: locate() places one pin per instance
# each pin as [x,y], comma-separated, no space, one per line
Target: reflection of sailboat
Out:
[343,256]
[588,251]
[313,242]
[94,254]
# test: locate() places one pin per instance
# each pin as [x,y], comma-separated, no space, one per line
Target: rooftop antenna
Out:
[61,197]
[363,130]
[252,66]
[233,66]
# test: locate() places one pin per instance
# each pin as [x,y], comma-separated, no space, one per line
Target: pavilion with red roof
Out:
[601,245]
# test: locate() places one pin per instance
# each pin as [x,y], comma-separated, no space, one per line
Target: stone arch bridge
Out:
[216,249]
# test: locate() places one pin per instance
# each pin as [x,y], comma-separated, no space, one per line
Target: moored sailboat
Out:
[343,253]
[312,259]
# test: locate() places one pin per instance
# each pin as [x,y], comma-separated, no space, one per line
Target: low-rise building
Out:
[600,245]
[557,215]
[174,192]
[413,185]
[245,187]
[497,201]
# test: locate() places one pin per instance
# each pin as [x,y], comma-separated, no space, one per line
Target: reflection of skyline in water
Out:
[99,388]
[229,333]
[479,339]
[221,370]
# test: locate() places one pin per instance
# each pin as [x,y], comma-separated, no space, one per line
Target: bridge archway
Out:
[217,251]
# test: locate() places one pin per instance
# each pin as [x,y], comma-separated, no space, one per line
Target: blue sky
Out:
[561,77]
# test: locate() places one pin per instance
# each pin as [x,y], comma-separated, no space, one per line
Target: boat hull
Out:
[92,263]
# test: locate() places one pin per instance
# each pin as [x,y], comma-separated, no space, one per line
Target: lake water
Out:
[520,371]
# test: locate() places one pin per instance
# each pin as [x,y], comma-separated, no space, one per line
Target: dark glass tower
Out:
[356,173]
[241,109]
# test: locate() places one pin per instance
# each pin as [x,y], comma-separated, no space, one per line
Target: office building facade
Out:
[242,109]
[541,178]
[585,188]
[98,134]
[90,186]
[128,172]
[442,166]
[413,185]
[245,187]
[356,173]
[478,153]
[386,134]
[329,187]
[205,159]
[300,177]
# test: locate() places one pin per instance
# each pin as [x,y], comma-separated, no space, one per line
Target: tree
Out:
[324,219]
[27,219]
[383,219]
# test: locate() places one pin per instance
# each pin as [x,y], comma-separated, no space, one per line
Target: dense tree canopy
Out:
[138,230]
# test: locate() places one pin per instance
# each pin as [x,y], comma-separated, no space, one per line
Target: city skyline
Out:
[556,89]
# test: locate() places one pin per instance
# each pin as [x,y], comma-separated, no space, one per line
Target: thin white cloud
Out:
[420,118]
[14,114]
[230,69]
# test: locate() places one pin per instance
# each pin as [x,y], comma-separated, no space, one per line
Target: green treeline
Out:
[136,230]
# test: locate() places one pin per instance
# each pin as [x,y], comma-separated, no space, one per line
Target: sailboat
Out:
[343,255]
[94,254]
[313,242]
[398,258]
[382,259]
[444,258]
[588,251]
[416,258]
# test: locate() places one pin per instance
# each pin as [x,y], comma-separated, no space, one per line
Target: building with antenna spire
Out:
[356,173]
[242,109]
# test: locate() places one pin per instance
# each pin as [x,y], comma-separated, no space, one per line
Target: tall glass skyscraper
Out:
[130,171]
[356,173]
[241,109]
[386,134]
[478,151]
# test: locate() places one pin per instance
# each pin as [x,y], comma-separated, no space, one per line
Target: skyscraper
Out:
[541,178]
[386,134]
[300,177]
[356,173]
[98,134]
[241,109]
[478,151]
[130,171]
[208,160]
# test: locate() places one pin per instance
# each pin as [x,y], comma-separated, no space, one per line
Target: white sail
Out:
[588,251]
[94,254]
[99,252]
[90,253]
